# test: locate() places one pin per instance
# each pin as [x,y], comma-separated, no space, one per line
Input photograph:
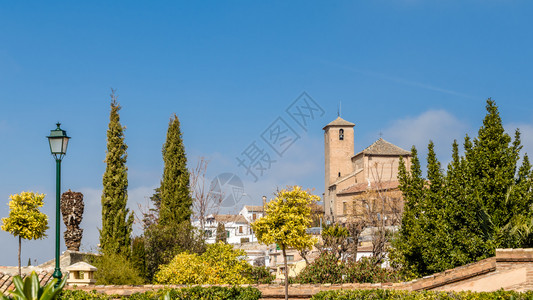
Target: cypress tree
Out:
[407,246]
[176,200]
[458,215]
[221,233]
[435,243]
[115,235]
[493,166]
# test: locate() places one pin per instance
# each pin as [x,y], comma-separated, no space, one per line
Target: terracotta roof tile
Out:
[362,187]
[230,218]
[339,122]
[254,208]
[382,147]
[6,281]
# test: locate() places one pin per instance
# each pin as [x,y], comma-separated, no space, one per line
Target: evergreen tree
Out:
[457,213]
[221,235]
[407,246]
[436,242]
[493,166]
[115,235]
[176,201]
[480,204]
[138,256]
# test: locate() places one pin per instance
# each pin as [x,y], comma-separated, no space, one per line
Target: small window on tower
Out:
[341,134]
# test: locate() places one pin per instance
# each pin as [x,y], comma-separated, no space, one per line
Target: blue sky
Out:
[412,70]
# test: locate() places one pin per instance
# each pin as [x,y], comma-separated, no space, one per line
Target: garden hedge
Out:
[197,292]
[421,295]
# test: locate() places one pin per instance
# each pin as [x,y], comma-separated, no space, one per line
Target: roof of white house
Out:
[254,208]
[230,218]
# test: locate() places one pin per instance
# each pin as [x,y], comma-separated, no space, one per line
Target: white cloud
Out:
[437,125]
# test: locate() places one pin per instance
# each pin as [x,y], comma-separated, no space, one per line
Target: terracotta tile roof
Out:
[382,147]
[230,218]
[254,208]
[361,187]
[6,281]
[339,122]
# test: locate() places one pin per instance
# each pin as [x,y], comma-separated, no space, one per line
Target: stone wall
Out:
[510,269]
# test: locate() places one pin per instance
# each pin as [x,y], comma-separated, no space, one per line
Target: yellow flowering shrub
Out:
[25,220]
[220,264]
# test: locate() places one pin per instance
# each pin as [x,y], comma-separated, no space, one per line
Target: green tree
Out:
[221,233]
[115,235]
[286,221]
[407,246]
[116,269]
[480,204]
[164,242]
[25,220]
[176,200]
[138,256]
[335,240]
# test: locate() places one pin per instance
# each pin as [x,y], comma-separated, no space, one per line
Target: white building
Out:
[252,212]
[236,226]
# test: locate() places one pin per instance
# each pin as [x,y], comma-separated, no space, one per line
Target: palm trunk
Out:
[20,246]
[286,273]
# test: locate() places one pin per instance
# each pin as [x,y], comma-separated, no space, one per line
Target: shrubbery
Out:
[82,295]
[328,269]
[260,275]
[220,264]
[197,292]
[423,295]
[115,269]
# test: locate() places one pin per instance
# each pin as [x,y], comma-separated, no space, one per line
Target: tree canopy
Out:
[463,215]
[25,221]
[176,201]
[285,223]
[115,235]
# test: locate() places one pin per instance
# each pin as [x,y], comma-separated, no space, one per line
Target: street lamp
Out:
[58,140]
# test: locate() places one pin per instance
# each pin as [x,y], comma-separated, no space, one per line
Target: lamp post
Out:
[58,140]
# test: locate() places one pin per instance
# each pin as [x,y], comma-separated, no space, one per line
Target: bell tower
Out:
[338,151]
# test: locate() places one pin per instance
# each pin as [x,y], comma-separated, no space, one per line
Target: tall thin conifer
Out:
[115,235]
[176,201]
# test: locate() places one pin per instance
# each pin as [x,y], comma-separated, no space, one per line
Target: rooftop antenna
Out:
[339,110]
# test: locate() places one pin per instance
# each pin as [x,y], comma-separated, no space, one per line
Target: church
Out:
[356,184]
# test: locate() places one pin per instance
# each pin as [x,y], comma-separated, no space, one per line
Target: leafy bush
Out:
[325,269]
[328,269]
[82,295]
[197,292]
[30,288]
[260,275]
[220,264]
[163,242]
[115,269]
[423,295]
[367,271]
[207,293]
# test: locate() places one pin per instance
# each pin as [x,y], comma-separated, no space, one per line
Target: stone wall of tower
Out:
[337,154]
